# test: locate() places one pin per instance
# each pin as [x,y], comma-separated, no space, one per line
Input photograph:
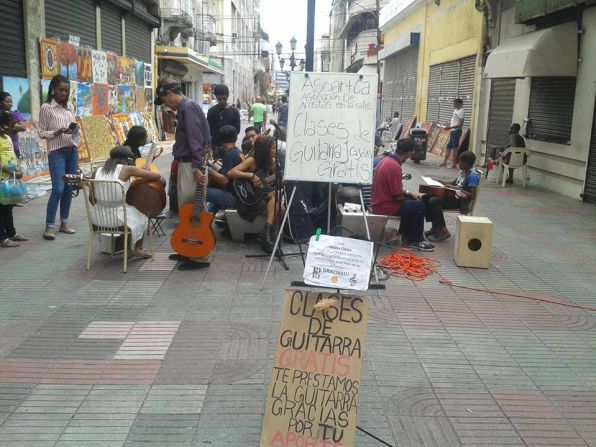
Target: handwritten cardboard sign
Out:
[315,384]
[338,262]
[331,127]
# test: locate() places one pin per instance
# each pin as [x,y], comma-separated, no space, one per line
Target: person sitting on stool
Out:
[390,199]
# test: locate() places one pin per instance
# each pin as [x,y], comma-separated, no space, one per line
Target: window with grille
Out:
[551,109]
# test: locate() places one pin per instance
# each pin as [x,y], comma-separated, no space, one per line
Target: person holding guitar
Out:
[220,193]
[120,167]
[259,165]
[466,183]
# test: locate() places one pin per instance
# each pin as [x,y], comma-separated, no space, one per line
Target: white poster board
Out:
[331,127]
[338,262]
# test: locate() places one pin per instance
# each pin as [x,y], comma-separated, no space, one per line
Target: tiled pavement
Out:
[159,357]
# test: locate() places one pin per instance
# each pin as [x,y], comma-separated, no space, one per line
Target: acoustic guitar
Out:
[149,197]
[194,236]
[439,191]
[248,193]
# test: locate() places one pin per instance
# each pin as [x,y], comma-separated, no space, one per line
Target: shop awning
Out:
[187,56]
[548,52]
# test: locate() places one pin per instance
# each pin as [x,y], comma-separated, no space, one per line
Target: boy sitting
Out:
[467,182]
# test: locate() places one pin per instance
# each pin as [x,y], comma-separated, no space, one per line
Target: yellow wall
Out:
[448,31]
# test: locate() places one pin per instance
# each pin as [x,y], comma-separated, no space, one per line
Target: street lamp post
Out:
[293,61]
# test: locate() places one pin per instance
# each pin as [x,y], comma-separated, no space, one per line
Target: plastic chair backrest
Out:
[109,198]
[517,155]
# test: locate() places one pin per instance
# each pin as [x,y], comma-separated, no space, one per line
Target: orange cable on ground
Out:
[404,263]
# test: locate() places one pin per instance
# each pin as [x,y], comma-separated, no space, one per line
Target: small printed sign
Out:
[338,262]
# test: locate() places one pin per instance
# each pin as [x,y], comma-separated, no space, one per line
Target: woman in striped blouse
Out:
[56,124]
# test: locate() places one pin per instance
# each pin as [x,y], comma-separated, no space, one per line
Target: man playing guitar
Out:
[220,193]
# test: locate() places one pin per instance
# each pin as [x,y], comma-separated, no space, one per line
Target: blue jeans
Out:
[220,198]
[63,161]
[412,220]
[257,127]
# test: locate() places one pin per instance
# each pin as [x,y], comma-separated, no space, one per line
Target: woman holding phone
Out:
[57,124]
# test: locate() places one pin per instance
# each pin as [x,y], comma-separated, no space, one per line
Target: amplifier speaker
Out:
[473,242]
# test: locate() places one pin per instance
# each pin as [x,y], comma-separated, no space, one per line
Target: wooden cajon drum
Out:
[473,241]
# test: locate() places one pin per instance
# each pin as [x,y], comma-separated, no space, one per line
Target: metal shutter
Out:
[449,84]
[434,91]
[77,19]
[12,50]
[111,28]
[590,185]
[410,80]
[138,39]
[551,109]
[500,114]
[388,86]
[465,88]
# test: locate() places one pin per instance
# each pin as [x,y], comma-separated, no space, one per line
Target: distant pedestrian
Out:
[455,128]
[258,111]
[515,140]
[220,115]
[282,112]
[18,121]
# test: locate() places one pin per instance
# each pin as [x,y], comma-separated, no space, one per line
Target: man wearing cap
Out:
[192,136]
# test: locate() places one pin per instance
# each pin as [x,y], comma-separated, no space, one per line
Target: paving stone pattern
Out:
[161,357]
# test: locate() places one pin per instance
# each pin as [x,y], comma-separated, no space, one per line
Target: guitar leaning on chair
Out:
[194,236]
[248,193]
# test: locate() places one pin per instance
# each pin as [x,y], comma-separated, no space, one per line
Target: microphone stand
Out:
[279,254]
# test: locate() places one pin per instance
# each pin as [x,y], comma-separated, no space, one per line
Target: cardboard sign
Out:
[315,384]
[338,262]
[331,127]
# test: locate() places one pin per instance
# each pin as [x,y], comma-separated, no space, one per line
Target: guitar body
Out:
[437,191]
[248,193]
[148,197]
[193,237]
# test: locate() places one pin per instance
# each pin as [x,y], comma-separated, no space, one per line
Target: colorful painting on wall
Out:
[84,99]
[45,88]
[67,56]
[100,67]
[148,75]
[139,73]
[122,124]
[83,149]
[112,99]
[84,65]
[126,70]
[99,136]
[136,118]
[148,100]
[48,53]
[72,96]
[126,99]
[140,98]
[34,156]
[112,61]
[100,99]
[20,92]
[440,142]
[149,125]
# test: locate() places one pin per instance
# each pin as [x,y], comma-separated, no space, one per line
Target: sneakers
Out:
[19,238]
[421,246]
[439,236]
[8,243]
[64,228]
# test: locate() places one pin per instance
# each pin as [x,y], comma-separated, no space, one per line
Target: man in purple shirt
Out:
[192,137]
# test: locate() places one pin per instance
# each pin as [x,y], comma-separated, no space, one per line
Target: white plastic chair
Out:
[112,197]
[517,159]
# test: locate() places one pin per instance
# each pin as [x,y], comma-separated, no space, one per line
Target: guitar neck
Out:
[200,194]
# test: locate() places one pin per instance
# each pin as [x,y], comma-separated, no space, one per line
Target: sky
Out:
[282,19]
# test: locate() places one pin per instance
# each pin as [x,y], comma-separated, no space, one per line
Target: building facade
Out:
[541,73]
[432,54]
[120,27]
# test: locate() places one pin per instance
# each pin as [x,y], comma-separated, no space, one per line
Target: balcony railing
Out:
[177,14]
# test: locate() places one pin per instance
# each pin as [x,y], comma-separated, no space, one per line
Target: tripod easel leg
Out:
[279,234]
[367,229]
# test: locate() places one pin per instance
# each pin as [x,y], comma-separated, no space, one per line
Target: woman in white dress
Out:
[119,167]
